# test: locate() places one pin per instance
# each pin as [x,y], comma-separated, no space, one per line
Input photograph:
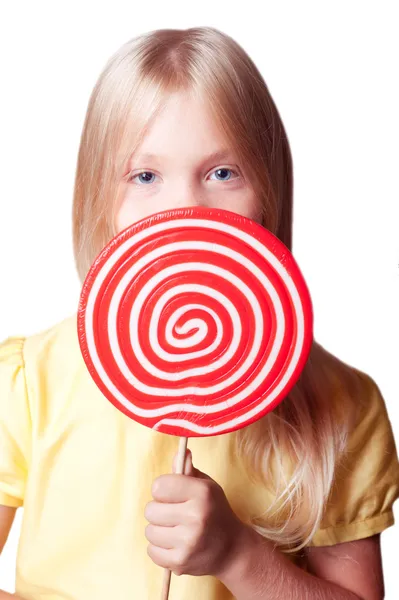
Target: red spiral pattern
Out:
[195,321]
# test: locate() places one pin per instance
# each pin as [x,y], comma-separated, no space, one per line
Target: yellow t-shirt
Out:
[83,471]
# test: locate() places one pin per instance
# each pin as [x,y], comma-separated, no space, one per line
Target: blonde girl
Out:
[289,507]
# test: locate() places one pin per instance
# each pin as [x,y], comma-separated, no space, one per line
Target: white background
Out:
[332,71]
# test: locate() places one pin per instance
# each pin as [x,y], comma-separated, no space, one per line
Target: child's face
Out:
[181,172]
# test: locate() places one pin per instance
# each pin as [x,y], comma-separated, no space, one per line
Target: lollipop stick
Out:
[181,456]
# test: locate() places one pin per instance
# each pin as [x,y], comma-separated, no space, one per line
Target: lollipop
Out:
[195,322]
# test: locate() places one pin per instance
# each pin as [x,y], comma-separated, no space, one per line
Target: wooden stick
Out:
[181,458]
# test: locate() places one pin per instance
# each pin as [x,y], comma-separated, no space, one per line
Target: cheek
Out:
[256,208]
[129,213]
[121,218]
[249,206]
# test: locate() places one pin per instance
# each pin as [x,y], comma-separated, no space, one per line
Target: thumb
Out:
[189,468]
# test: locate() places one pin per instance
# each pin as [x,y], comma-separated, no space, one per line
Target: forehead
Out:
[184,125]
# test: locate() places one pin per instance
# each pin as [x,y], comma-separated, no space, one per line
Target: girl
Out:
[180,118]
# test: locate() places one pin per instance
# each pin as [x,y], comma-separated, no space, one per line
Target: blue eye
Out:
[146,174]
[222,171]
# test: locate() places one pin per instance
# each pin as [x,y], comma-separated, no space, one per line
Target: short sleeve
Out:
[15,423]
[366,483]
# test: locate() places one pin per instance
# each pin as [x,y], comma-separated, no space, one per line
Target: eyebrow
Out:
[219,155]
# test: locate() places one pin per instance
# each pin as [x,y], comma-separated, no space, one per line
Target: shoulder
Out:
[372,425]
[353,394]
[58,342]
[370,413]
[52,350]
[48,366]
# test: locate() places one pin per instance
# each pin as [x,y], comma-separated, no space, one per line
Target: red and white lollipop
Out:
[195,322]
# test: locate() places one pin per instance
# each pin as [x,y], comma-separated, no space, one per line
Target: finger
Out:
[163,537]
[189,468]
[188,464]
[167,558]
[160,556]
[174,488]
[165,514]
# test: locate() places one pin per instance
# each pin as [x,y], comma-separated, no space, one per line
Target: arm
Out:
[347,571]
[7,514]
[193,530]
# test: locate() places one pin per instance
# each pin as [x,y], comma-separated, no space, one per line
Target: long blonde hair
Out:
[305,427]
